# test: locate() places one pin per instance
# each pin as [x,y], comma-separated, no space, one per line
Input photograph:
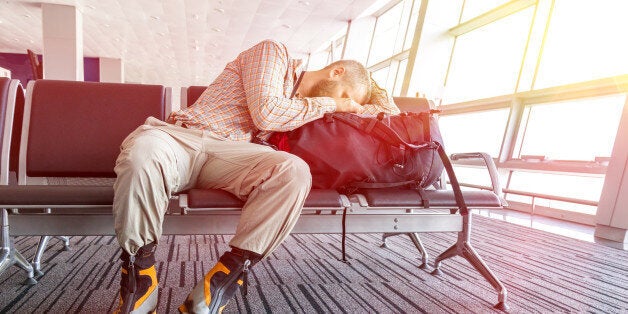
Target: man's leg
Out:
[155,161]
[274,185]
[138,285]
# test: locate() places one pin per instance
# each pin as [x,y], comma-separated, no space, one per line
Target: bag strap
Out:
[452,178]
[379,129]
[412,136]
[380,185]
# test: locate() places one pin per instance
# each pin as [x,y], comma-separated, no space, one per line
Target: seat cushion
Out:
[434,198]
[210,198]
[56,195]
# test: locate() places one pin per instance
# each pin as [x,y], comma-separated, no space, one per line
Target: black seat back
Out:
[11,113]
[74,129]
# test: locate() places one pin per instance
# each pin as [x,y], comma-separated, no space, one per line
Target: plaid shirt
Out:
[253,94]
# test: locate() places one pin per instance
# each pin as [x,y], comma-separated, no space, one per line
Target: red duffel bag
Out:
[348,151]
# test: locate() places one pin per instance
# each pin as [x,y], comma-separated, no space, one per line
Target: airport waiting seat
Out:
[189,95]
[398,211]
[64,116]
[202,211]
[11,106]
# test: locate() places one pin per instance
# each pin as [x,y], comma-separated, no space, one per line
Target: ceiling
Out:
[182,42]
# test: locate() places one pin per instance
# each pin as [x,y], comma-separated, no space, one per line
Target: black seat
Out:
[428,198]
[218,199]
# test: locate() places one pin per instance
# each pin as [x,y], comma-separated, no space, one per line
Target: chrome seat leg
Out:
[463,248]
[415,240]
[386,236]
[9,255]
[474,259]
[66,242]
[449,253]
[419,245]
[41,247]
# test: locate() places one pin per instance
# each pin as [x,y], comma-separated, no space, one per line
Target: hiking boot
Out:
[138,286]
[221,283]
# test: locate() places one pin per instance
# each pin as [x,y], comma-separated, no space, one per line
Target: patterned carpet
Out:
[544,273]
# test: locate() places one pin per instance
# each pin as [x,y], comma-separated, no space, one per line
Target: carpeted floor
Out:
[544,273]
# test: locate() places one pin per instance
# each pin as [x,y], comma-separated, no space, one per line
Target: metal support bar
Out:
[463,248]
[225,223]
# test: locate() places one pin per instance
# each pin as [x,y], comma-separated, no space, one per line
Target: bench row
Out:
[67,137]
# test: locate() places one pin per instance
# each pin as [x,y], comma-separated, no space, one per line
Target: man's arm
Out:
[263,69]
[380,101]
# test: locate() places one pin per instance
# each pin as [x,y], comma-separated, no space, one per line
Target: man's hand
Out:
[347,105]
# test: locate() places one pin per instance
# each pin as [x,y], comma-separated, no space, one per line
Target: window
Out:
[329,52]
[407,43]
[473,175]
[385,36]
[318,60]
[585,41]
[381,77]
[577,187]
[336,48]
[486,61]
[391,77]
[400,75]
[568,58]
[474,132]
[579,129]
[473,8]
[391,43]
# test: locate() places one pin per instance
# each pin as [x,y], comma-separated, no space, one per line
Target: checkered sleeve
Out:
[263,70]
[380,101]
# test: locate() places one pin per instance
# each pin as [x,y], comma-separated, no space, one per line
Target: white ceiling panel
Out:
[181,42]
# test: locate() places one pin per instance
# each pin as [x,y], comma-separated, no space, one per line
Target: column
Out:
[63,42]
[612,211]
[111,70]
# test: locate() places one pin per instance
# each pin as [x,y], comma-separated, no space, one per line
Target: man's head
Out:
[341,79]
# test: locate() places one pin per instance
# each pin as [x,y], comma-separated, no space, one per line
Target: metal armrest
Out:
[490,166]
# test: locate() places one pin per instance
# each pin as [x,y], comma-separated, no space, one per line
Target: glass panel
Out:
[381,76]
[474,132]
[401,73]
[403,25]
[338,46]
[318,60]
[578,187]
[585,41]
[579,129]
[472,175]
[486,61]
[385,35]
[473,8]
[412,25]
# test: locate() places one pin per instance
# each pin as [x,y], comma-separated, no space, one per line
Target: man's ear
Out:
[337,72]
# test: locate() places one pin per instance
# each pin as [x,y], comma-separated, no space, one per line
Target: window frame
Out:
[405,54]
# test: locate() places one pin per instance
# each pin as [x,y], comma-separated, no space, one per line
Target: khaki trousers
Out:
[159,159]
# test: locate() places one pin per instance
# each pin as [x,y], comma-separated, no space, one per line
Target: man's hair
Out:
[356,76]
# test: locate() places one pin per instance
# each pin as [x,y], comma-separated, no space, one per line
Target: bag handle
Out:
[377,128]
